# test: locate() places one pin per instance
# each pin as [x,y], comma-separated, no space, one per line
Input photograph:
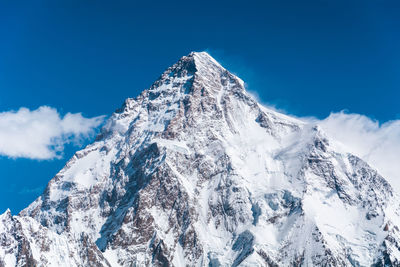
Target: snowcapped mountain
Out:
[194,172]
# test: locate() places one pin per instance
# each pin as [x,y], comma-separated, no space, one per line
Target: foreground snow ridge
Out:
[194,172]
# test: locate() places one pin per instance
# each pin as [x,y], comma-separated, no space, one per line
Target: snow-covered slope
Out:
[194,172]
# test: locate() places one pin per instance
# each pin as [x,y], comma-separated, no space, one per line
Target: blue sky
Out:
[309,58]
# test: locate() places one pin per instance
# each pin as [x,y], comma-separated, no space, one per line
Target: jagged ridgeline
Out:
[194,172]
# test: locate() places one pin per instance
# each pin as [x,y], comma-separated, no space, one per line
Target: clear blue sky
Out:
[307,57]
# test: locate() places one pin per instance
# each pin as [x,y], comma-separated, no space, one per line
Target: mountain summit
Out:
[195,172]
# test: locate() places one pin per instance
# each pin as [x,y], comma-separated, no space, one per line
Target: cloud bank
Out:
[378,144]
[42,133]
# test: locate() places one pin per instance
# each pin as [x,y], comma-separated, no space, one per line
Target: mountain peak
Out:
[202,54]
[196,62]
[196,67]
[204,58]
[6,215]
[195,172]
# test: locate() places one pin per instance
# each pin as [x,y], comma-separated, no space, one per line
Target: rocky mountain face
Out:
[194,172]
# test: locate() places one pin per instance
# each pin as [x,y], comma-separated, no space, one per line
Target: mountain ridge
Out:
[194,171]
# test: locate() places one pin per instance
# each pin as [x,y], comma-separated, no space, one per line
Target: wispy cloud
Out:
[42,133]
[378,144]
[29,191]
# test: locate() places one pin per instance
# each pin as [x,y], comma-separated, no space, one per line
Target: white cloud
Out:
[42,133]
[378,144]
